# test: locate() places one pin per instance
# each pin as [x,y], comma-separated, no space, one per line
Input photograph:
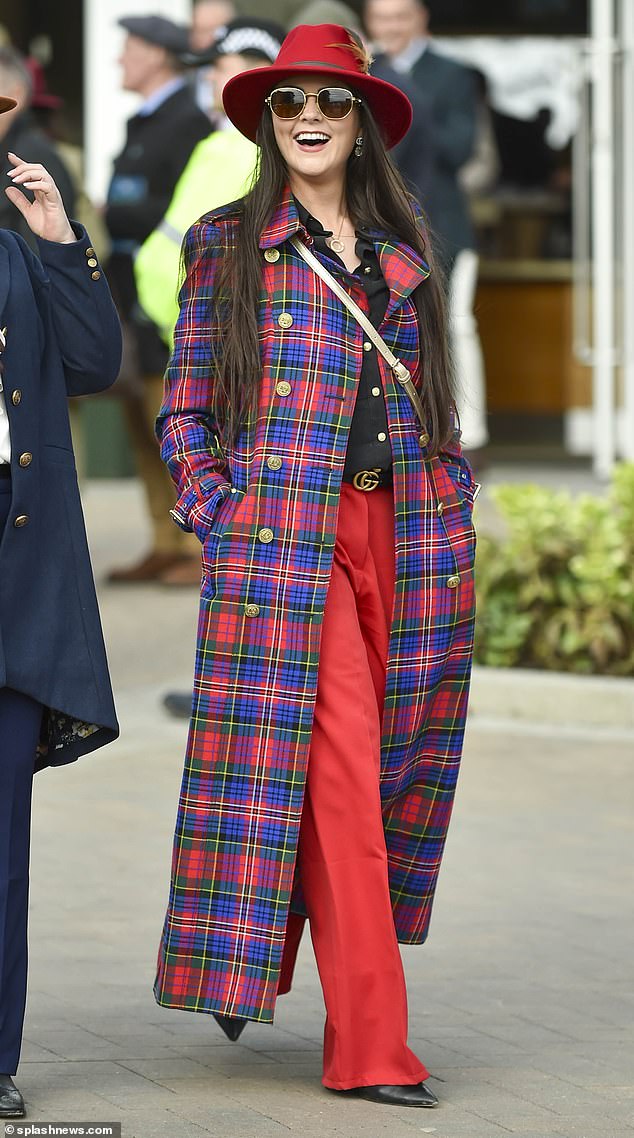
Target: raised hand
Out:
[45,216]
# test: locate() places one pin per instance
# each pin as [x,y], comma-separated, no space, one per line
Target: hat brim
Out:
[6,104]
[243,98]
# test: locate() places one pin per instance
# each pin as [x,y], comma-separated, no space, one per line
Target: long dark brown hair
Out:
[376,197]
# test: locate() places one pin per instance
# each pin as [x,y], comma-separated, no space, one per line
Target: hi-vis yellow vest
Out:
[219,171]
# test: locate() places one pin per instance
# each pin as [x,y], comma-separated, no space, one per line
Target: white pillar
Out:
[106,106]
[603,202]
[626,434]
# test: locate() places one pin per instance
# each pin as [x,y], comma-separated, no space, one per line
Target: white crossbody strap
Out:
[398,369]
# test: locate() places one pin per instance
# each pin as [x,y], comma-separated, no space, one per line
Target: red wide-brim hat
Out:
[329,50]
[6,104]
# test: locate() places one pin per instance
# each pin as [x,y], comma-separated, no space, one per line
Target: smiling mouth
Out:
[311,139]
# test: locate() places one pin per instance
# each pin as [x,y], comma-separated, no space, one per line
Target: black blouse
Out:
[368,443]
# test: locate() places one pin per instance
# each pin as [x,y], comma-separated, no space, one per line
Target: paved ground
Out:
[521,1004]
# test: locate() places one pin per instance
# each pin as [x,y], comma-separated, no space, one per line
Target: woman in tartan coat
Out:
[336,615]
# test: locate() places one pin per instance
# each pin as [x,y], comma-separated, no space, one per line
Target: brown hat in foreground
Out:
[6,104]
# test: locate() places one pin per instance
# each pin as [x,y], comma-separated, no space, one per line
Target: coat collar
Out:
[402,267]
[284,223]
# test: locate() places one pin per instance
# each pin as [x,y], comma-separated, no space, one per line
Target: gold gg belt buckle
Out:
[367,479]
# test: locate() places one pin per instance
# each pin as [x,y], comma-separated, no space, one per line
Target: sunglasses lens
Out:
[335,102]
[286,102]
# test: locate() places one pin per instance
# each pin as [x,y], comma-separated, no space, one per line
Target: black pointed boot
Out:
[233,1026]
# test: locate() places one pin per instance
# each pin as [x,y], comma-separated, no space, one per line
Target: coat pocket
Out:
[454,506]
[58,456]
[223,518]
[461,475]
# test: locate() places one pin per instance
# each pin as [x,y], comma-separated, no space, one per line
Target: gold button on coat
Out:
[283,387]
[90,252]
[92,261]
[96,275]
[271,255]
[423,439]
[367,346]
[16,397]
[26,459]
[21,520]
[252,610]
[265,535]
[285,320]
[381,436]
[453,582]
[274,462]
[376,390]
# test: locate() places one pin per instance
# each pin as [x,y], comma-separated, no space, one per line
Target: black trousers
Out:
[20,720]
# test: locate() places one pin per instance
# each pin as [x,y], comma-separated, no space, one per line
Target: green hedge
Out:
[557,591]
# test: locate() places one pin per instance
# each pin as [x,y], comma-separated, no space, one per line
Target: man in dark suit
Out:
[160,138]
[59,336]
[400,29]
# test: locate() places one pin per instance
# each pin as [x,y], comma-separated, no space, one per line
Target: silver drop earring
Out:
[358,146]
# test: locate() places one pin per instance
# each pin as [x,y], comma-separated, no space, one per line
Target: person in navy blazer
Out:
[401,31]
[59,336]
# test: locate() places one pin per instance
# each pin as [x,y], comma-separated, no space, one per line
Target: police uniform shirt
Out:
[369,442]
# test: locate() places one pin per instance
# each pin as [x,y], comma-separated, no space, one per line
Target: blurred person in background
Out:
[335,629]
[400,29]
[59,336]
[220,170]
[159,141]
[209,18]
[20,134]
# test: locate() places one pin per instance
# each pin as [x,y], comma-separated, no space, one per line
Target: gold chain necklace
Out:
[338,244]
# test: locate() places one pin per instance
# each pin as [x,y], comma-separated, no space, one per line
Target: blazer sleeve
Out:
[83,314]
[186,427]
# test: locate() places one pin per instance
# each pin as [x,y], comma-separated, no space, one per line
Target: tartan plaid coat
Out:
[265,511]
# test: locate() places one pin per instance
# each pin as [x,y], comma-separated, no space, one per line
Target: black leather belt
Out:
[368,480]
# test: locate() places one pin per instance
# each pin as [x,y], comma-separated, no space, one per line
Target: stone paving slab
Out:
[521,1002]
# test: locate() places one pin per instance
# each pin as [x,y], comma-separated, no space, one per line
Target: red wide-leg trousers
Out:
[342,856]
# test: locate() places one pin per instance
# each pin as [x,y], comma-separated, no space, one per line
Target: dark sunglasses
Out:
[333,102]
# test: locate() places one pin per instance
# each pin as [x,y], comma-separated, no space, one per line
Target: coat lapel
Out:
[284,223]
[402,267]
